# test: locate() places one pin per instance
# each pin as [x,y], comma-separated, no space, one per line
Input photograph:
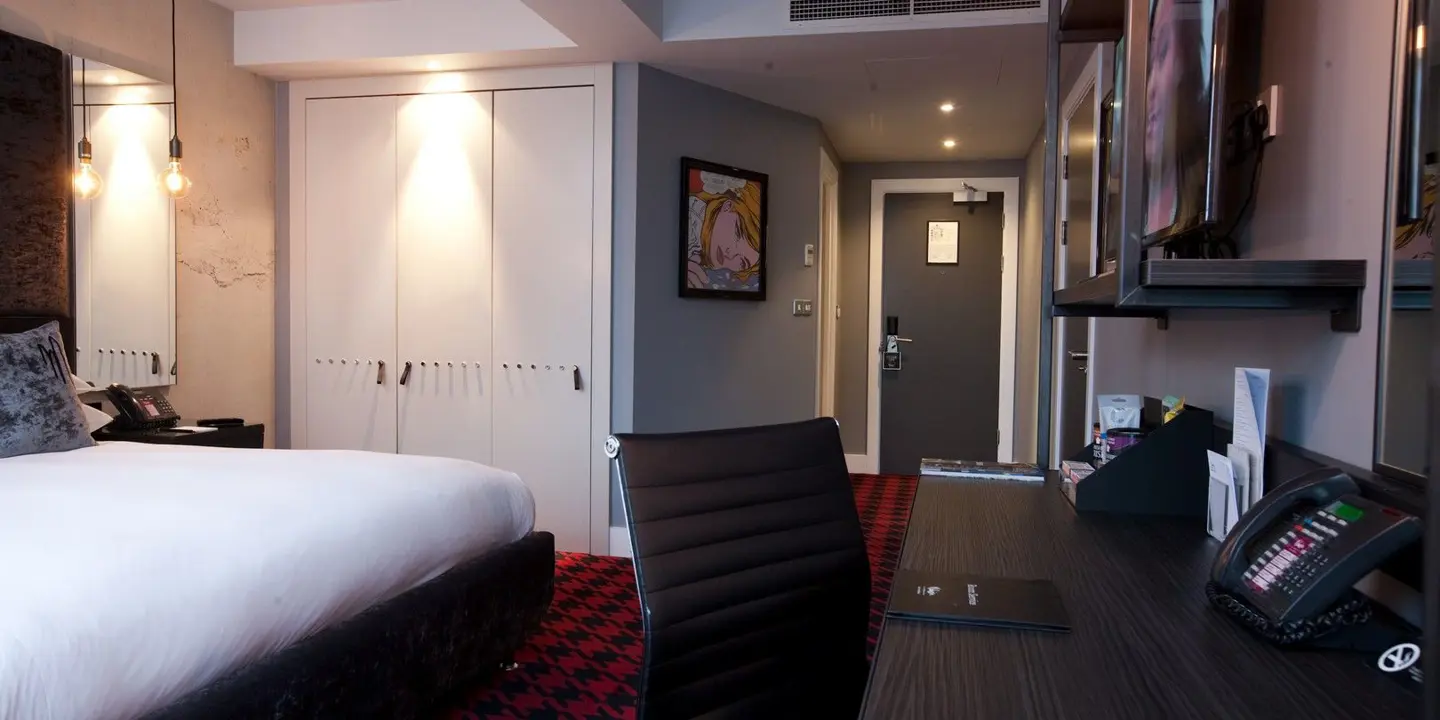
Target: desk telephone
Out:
[1286,569]
[141,410]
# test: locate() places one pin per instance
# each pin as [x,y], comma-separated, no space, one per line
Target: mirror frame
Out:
[169,372]
[1401,99]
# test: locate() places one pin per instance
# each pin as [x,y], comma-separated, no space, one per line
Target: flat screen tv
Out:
[1202,74]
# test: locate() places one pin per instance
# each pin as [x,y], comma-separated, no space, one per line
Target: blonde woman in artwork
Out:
[724,238]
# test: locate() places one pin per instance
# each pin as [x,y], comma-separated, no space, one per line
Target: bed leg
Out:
[509,666]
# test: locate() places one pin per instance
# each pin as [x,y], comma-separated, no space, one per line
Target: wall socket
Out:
[1270,98]
[803,308]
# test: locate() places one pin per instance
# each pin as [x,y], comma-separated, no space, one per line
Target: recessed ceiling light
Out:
[948,143]
[112,80]
[433,65]
[947,107]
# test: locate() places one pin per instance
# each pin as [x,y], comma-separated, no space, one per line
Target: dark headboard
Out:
[35,252]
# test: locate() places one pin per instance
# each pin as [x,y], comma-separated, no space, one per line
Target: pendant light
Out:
[173,180]
[88,182]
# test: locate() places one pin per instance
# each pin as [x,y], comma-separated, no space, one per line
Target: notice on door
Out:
[944,243]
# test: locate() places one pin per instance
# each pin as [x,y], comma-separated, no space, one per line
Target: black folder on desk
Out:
[978,600]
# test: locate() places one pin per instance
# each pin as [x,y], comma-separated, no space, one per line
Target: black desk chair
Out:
[750,561]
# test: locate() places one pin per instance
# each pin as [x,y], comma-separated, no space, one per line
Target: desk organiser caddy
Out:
[1164,474]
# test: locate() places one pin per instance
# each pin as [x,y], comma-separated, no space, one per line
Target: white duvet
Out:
[133,574]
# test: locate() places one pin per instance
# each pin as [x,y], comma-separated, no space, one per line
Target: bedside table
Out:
[239,436]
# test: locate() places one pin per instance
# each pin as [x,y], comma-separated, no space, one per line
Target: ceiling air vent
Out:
[937,7]
[807,10]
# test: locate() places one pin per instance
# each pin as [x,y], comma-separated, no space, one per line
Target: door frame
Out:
[1096,75]
[290,256]
[827,331]
[1010,234]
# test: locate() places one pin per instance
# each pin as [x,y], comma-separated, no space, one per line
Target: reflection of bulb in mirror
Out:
[88,183]
[174,181]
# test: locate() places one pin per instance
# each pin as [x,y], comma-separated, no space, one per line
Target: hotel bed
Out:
[169,582]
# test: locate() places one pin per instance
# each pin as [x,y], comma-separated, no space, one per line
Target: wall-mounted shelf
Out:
[1091,21]
[1411,284]
[1336,286]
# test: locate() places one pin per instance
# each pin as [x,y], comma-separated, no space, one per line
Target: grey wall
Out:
[1027,303]
[701,364]
[1322,195]
[854,353]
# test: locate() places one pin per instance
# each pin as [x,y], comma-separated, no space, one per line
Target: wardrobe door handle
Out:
[405,374]
[577,377]
[154,363]
[380,375]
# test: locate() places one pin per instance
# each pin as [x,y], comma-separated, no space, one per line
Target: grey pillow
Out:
[39,411]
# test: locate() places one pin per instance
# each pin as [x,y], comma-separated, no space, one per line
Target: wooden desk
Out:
[1145,643]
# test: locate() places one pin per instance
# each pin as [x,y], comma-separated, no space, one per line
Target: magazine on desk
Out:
[978,469]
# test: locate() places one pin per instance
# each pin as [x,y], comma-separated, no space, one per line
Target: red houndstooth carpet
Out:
[585,660]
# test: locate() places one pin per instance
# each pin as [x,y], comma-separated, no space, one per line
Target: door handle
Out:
[577,377]
[900,339]
[405,374]
[380,375]
[1079,355]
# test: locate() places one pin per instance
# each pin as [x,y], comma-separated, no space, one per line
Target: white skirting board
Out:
[620,542]
[860,464]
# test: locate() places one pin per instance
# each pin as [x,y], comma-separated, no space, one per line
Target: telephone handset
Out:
[140,410]
[1287,567]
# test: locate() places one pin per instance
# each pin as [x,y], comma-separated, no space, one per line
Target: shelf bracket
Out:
[1346,319]
[1163,322]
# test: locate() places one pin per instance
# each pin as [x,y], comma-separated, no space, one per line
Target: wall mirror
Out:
[123,227]
[1401,442]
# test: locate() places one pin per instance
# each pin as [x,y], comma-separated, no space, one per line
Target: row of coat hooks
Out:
[410,364]
[448,363]
[151,355]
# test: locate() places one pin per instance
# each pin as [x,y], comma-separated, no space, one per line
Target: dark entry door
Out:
[945,400]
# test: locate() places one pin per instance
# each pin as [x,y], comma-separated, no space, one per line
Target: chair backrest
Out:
[750,561]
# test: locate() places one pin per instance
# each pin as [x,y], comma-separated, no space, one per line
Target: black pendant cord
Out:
[174,85]
[84,104]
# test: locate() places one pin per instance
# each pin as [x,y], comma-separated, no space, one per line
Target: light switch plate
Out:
[809,255]
[1270,98]
[803,308]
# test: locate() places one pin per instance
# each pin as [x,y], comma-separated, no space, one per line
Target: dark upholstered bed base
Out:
[400,658]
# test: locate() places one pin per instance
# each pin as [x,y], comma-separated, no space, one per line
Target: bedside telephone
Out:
[140,410]
[1286,569]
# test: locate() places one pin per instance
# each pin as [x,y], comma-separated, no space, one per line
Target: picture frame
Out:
[942,245]
[724,218]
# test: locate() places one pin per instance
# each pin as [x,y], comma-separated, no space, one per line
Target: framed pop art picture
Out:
[722,231]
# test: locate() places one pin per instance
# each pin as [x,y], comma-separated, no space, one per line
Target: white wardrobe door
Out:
[350,273]
[543,229]
[444,155]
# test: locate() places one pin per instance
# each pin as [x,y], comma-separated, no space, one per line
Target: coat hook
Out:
[332,361]
[464,364]
[317,361]
[342,361]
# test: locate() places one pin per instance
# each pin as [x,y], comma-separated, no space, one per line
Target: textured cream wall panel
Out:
[226,228]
